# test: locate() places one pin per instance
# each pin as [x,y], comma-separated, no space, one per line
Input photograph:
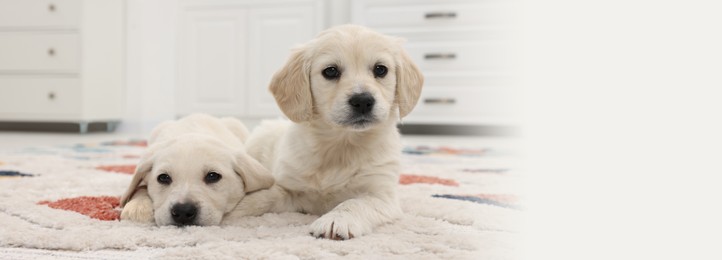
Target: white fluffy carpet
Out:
[469,211]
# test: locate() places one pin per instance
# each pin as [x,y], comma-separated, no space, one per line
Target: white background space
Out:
[623,129]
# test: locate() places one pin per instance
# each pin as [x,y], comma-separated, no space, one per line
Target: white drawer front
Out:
[441,13]
[449,34]
[459,56]
[39,96]
[40,13]
[461,103]
[51,52]
[471,79]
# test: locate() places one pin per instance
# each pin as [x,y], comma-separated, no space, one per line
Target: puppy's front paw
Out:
[338,226]
[138,210]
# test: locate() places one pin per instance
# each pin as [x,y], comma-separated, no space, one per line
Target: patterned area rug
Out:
[61,202]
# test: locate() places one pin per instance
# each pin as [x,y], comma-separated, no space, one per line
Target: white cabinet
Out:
[464,48]
[228,51]
[212,60]
[61,61]
[273,32]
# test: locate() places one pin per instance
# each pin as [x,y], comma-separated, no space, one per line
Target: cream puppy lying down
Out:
[195,170]
[345,92]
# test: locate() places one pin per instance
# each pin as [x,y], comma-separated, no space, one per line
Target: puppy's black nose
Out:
[362,103]
[184,213]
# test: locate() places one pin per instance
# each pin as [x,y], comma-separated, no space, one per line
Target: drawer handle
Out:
[440,15]
[440,56]
[51,52]
[51,95]
[51,8]
[440,101]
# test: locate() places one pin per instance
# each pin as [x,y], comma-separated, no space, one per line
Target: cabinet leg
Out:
[83,127]
[111,126]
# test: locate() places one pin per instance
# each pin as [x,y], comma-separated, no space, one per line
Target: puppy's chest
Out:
[328,169]
[316,178]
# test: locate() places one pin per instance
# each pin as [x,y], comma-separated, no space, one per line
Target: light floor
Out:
[17,140]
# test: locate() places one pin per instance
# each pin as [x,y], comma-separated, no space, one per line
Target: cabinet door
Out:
[212,60]
[273,32]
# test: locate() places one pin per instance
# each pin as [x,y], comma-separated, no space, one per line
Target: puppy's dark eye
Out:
[380,71]
[331,73]
[164,179]
[212,177]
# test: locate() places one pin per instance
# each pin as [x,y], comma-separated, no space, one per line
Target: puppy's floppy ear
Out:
[255,176]
[291,87]
[138,181]
[409,81]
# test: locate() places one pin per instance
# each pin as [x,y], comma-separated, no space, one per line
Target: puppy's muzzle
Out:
[362,104]
[184,213]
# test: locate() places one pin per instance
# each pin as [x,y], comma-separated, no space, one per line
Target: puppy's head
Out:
[195,179]
[349,76]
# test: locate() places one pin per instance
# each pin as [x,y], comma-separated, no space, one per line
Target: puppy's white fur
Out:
[324,165]
[187,150]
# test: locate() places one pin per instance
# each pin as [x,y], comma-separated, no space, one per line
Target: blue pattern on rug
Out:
[443,150]
[14,174]
[475,200]
[486,170]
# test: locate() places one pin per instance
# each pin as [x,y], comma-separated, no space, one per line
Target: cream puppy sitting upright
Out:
[345,91]
[194,171]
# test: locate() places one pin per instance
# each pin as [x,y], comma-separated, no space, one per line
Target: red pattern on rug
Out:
[407,179]
[127,169]
[102,207]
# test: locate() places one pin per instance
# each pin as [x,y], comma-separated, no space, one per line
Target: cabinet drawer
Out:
[46,96]
[51,52]
[440,13]
[462,102]
[469,79]
[459,56]
[40,13]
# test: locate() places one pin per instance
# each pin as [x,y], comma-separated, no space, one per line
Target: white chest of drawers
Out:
[464,48]
[61,61]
